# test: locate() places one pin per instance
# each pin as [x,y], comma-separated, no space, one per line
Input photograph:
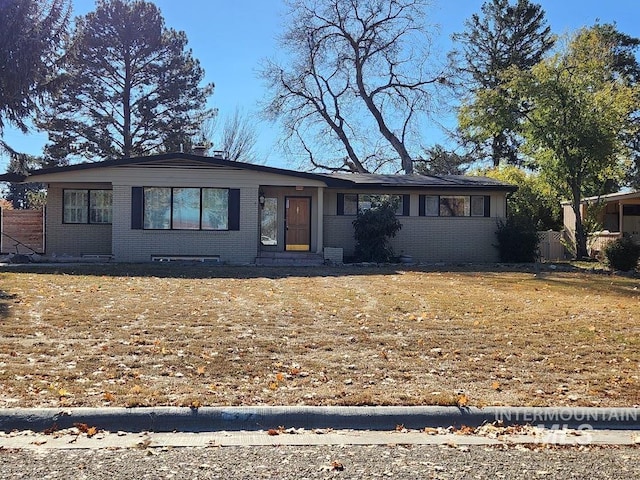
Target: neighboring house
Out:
[191,206]
[618,214]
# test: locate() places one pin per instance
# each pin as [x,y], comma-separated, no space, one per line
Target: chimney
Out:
[200,150]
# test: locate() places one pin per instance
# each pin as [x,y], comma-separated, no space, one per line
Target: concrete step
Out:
[300,259]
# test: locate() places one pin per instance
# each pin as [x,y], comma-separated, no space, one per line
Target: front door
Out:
[298,223]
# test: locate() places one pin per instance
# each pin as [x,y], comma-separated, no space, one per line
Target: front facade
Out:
[189,206]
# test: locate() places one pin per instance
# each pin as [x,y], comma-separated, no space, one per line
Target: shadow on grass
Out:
[4,305]
[197,270]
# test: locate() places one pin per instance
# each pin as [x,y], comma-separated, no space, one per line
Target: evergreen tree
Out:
[440,161]
[504,36]
[31,33]
[25,195]
[131,86]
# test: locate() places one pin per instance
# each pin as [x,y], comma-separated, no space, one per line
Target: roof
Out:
[423,181]
[345,180]
[610,197]
[157,160]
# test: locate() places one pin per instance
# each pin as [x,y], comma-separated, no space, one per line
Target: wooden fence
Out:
[21,231]
[551,248]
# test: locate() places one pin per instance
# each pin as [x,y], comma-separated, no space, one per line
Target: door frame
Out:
[286,208]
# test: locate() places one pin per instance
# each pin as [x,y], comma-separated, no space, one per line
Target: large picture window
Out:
[354,203]
[454,205]
[168,208]
[87,206]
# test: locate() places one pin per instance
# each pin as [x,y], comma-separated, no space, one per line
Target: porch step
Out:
[290,259]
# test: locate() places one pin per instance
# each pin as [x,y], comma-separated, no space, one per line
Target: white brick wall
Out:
[140,245]
[73,239]
[427,239]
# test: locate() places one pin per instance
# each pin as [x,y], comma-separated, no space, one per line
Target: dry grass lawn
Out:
[147,335]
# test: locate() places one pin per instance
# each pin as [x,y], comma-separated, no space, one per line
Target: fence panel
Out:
[21,231]
[551,248]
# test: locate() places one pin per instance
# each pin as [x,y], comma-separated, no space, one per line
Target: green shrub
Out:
[622,254]
[517,240]
[372,230]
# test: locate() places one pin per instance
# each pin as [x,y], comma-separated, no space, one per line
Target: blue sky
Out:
[231,37]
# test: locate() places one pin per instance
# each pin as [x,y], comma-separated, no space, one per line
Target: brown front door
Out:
[298,223]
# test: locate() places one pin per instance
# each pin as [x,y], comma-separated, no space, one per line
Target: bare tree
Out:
[235,135]
[239,138]
[356,74]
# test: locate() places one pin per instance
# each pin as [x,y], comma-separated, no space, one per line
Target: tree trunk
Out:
[127,138]
[580,234]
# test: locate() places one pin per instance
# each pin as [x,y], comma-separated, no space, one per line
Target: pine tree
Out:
[130,86]
[31,33]
[504,36]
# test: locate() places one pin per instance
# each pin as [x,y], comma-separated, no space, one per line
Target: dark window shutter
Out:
[340,204]
[406,205]
[422,210]
[137,208]
[234,209]
[487,206]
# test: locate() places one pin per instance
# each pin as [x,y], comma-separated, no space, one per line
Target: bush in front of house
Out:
[517,240]
[372,230]
[623,254]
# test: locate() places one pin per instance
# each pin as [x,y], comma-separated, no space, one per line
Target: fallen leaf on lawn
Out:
[108,397]
[136,389]
[337,466]
[63,393]
[279,377]
[200,370]
[496,386]
[463,400]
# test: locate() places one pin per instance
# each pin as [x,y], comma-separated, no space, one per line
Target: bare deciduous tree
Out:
[235,135]
[356,81]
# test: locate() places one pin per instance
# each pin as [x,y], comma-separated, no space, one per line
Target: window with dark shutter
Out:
[234,209]
[137,208]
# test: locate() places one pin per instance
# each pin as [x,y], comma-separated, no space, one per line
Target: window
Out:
[431,205]
[186,208]
[354,203]
[454,205]
[100,206]
[215,209]
[477,206]
[269,222]
[87,206]
[351,204]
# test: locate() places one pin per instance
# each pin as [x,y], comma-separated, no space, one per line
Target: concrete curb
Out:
[208,419]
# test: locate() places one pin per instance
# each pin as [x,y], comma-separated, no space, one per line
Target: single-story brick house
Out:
[191,206]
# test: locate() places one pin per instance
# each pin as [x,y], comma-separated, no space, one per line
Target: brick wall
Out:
[428,239]
[140,245]
[73,239]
